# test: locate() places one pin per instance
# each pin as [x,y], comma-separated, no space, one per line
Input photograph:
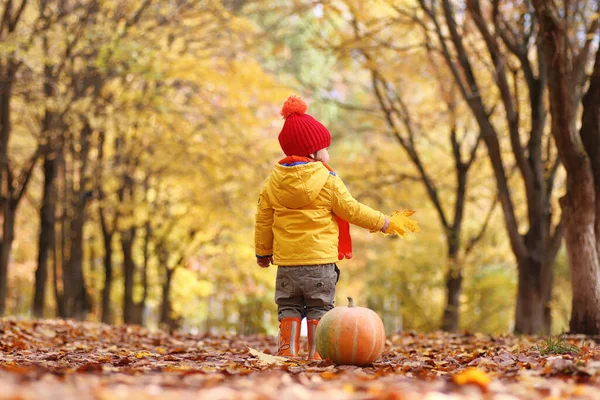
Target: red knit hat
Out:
[301,134]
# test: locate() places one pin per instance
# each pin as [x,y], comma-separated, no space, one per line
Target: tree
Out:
[13,182]
[77,72]
[108,228]
[507,35]
[561,32]
[389,90]
[52,127]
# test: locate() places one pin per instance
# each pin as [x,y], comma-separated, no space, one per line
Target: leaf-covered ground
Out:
[72,360]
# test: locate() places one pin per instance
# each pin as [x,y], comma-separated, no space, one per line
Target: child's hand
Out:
[264,262]
[386,225]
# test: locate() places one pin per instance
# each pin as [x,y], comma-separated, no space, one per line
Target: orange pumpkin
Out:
[350,335]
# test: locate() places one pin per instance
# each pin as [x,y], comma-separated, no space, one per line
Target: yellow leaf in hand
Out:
[400,223]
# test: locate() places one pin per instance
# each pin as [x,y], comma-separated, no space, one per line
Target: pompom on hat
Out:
[301,134]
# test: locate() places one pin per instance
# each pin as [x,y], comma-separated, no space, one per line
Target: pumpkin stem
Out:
[351,302]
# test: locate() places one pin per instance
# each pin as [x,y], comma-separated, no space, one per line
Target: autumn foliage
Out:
[51,359]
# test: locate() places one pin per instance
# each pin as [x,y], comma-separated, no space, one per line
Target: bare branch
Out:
[15,20]
[473,98]
[9,22]
[507,97]
[473,152]
[581,59]
[555,242]
[25,177]
[138,14]
[519,49]
[6,15]
[472,242]
[505,30]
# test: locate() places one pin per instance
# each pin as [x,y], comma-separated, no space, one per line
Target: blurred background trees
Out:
[135,136]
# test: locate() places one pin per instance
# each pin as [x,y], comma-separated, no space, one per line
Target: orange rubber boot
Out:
[289,337]
[312,342]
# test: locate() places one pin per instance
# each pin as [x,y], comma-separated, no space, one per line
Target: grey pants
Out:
[305,291]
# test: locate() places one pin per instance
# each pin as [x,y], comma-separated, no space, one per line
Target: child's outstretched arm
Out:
[263,231]
[349,209]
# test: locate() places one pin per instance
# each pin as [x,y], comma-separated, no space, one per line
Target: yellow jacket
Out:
[295,220]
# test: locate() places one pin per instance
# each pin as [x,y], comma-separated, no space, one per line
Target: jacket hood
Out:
[298,185]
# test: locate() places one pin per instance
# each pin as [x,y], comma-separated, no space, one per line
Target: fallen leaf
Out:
[142,354]
[49,333]
[474,376]
[267,358]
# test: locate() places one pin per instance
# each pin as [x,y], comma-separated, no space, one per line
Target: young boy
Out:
[302,226]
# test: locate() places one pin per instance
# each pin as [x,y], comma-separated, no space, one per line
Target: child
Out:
[301,226]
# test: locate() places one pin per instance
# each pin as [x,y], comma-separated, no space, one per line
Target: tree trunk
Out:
[46,236]
[108,231]
[58,246]
[454,277]
[581,206]
[533,299]
[62,245]
[78,304]
[590,136]
[166,318]
[7,75]
[6,84]
[582,252]
[8,230]
[79,301]
[138,317]
[579,202]
[58,296]
[9,65]
[48,209]
[107,316]
[127,240]
[451,317]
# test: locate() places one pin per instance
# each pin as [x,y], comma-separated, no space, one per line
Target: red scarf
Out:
[345,241]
